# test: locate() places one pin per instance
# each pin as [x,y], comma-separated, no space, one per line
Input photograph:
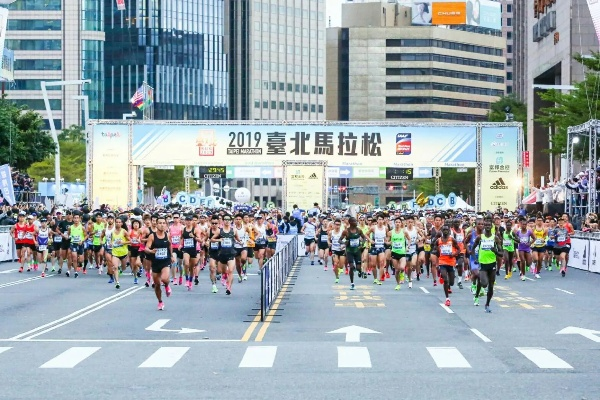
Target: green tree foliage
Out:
[572,107]
[72,157]
[497,111]
[171,178]
[22,140]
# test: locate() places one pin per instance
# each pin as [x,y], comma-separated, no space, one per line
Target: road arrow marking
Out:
[353,332]
[587,333]
[158,327]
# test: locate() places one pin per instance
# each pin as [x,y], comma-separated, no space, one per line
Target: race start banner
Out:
[499,168]
[304,184]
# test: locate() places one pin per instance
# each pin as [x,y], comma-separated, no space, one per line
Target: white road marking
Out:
[564,291]
[543,358]
[529,279]
[259,357]
[71,357]
[353,357]
[165,357]
[448,309]
[481,335]
[448,357]
[33,278]
[3,349]
[424,290]
[8,271]
[121,340]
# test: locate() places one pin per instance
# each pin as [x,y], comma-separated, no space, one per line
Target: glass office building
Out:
[177,47]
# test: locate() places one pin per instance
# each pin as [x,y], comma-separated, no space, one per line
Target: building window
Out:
[32,84]
[265,199]
[34,25]
[289,106]
[509,35]
[509,89]
[438,100]
[265,104]
[38,65]
[313,89]
[434,115]
[257,199]
[273,85]
[445,73]
[265,181]
[33,44]
[37,105]
[304,107]
[304,88]
[256,103]
[273,105]
[508,21]
[36,5]
[297,106]
[444,59]
[290,87]
[256,181]
[509,76]
[509,49]
[509,8]
[282,105]
[273,199]
[281,86]
[273,181]
[297,87]
[321,108]
[313,108]
[443,44]
[443,87]
[320,89]
[239,184]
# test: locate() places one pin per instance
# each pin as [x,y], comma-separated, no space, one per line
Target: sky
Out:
[334,10]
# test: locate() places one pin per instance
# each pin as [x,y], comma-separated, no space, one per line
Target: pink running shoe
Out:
[180,280]
[161,306]
[168,291]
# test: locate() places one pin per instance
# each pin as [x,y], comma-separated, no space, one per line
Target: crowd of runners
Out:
[168,248]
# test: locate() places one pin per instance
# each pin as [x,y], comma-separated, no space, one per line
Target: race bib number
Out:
[379,242]
[272,239]
[335,240]
[161,254]
[176,239]
[460,238]
[446,249]
[226,242]
[135,241]
[539,242]
[117,243]
[507,243]
[524,240]
[260,241]
[42,247]
[98,234]
[561,238]
[28,235]
[58,239]
[427,247]
[75,239]
[354,242]
[188,242]
[20,235]
[214,245]
[324,238]
[487,244]
[397,245]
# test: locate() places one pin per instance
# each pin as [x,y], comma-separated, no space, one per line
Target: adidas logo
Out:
[499,184]
[313,176]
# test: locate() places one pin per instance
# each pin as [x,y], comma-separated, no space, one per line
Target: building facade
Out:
[56,40]
[380,67]
[556,32]
[519,42]
[509,50]
[177,47]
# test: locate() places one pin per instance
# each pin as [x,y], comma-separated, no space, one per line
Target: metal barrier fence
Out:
[7,246]
[275,272]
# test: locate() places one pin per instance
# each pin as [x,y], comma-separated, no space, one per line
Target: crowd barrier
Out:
[7,246]
[276,270]
[584,250]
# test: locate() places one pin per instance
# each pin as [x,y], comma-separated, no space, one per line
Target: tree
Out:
[573,107]
[22,140]
[72,157]
[171,178]
[497,111]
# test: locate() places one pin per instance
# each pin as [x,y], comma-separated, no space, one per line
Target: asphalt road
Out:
[80,338]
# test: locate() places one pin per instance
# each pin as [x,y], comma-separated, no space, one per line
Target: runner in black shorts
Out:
[159,246]
[213,251]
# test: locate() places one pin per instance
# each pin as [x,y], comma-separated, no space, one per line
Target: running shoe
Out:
[245,277]
[537,276]
[117,285]
[325,268]
[447,303]
[347,271]
[487,309]
[111,280]
[312,263]
[506,277]
[320,262]
[401,277]
[189,285]
[476,301]
[214,288]
[514,269]
[43,274]
[20,269]
[76,274]
[364,276]
[473,289]
[100,270]
[53,269]
[147,284]
[223,280]
[563,272]
[67,274]
[161,306]
[435,283]
[550,267]
[379,282]
[239,279]
[397,287]
[139,274]
[84,271]
[352,286]
[360,274]
[441,280]
[337,280]
[135,281]
[196,281]
[174,281]
[387,275]
[168,291]
[460,286]
[228,291]
[450,290]
[382,278]
[29,269]
[180,280]
[522,277]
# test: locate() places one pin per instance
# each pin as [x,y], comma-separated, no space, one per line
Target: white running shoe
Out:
[537,276]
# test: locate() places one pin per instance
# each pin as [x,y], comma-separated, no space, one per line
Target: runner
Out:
[18,233]
[96,228]
[446,249]
[135,237]
[190,236]
[175,231]
[309,230]
[562,246]
[323,238]
[508,245]
[213,251]
[260,241]
[159,246]
[473,252]
[459,234]
[241,251]
[120,240]
[377,253]
[77,236]
[107,242]
[538,247]
[415,237]
[226,260]
[337,249]
[398,239]
[353,235]
[271,231]
[42,242]
[524,237]
[490,246]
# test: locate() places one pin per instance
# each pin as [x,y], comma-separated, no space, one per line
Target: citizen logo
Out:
[499,184]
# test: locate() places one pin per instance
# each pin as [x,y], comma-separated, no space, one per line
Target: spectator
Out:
[539,194]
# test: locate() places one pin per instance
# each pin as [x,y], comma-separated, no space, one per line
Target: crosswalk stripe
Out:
[165,357]
[259,357]
[353,357]
[448,357]
[70,357]
[543,358]
[3,349]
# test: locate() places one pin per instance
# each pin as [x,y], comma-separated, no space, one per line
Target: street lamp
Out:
[226,189]
[216,188]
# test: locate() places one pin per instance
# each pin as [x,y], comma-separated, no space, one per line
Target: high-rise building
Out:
[277,50]
[519,39]
[57,40]
[277,68]
[176,46]
[381,66]
[508,35]
[557,31]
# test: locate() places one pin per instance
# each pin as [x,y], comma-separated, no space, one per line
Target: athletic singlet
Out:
[524,240]
[189,240]
[213,246]
[561,236]
[43,238]
[309,231]
[227,239]
[108,232]
[243,235]
[398,240]
[459,236]
[118,243]
[486,244]
[20,233]
[77,234]
[508,243]
[323,235]
[271,234]
[97,229]
[162,257]
[353,241]
[365,231]
[413,234]
[540,238]
[379,237]
[474,256]
[262,234]
[135,238]
[175,233]
[446,248]
[29,234]
[335,240]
